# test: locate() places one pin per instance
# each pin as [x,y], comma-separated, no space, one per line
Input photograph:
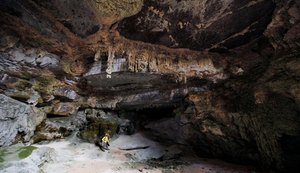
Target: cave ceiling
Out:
[182,39]
[77,28]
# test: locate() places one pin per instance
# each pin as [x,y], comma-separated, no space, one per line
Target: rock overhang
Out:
[249,75]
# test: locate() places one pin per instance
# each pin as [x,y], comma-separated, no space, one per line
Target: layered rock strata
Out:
[227,72]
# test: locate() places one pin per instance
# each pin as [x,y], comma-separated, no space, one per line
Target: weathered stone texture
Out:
[18,121]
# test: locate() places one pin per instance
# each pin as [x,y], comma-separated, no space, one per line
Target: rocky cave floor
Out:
[72,155]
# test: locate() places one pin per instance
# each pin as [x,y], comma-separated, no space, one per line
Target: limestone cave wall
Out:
[227,71]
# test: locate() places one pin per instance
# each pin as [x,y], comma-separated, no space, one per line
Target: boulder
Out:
[30,95]
[53,128]
[18,121]
[65,92]
[78,119]
[64,109]
[59,127]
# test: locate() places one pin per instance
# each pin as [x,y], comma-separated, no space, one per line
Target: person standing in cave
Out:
[105,141]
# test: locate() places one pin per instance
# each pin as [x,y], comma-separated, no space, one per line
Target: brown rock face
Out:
[199,25]
[220,76]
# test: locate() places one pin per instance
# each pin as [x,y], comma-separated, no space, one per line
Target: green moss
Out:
[45,83]
[14,153]
[2,155]
[26,151]
[98,129]
[23,84]
[88,111]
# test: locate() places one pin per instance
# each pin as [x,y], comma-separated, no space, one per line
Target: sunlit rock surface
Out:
[18,121]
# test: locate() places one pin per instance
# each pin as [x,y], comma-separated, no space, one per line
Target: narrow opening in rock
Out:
[55,116]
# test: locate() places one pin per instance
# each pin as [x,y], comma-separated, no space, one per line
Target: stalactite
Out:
[110,59]
[97,56]
[131,61]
